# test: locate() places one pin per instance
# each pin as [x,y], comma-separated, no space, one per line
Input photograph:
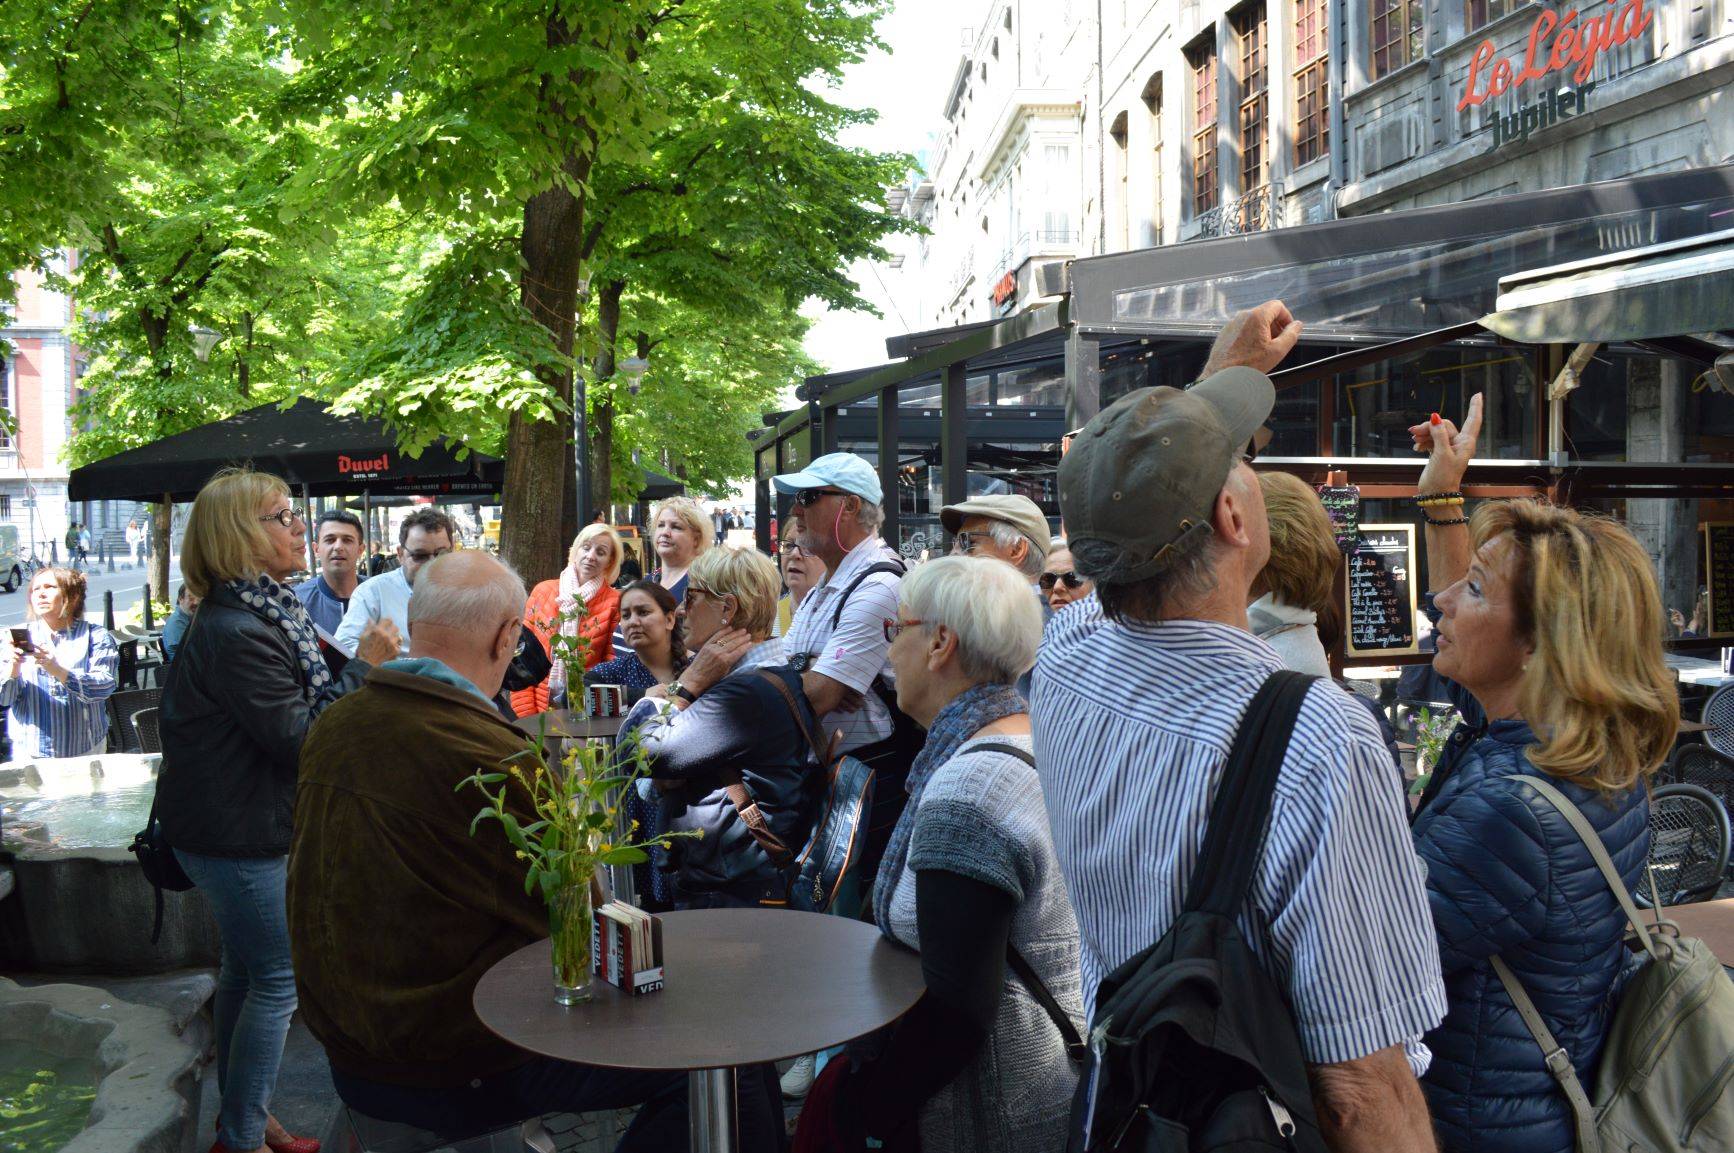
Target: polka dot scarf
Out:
[284,609]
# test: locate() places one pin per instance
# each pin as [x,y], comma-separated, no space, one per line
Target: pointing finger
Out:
[1472,421]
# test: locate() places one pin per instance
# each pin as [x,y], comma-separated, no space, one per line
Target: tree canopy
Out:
[442,214]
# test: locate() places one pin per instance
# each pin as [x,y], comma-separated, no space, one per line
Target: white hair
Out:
[470,591]
[1006,536]
[990,607]
[871,516]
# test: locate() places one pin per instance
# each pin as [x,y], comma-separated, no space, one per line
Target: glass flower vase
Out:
[571,925]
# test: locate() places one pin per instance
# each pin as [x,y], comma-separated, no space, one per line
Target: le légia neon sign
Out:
[1557,42]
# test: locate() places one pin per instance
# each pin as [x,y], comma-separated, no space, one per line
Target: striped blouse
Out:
[1133,724]
[50,719]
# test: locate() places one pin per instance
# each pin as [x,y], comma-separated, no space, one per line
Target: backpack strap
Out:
[1239,814]
[1593,842]
[895,566]
[1075,1047]
[1558,1060]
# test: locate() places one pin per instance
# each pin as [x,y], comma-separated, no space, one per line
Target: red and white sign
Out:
[1558,41]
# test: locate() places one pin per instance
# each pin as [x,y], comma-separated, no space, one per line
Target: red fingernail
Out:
[1434,419]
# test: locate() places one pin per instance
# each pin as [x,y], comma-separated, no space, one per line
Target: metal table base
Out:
[713,1124]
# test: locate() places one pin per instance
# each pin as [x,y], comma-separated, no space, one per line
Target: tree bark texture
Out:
[602,417]
[162,535]
[539,514]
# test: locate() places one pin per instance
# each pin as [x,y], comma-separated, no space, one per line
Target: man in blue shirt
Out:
[337,543]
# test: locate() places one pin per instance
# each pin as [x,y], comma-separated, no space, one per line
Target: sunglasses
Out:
[808,497]
[420,557]
[1070,579]
[285,517]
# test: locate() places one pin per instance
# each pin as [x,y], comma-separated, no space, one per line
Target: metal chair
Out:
[1708,769]
[1688,845]
[1719,715]
[144,726]
[121,706]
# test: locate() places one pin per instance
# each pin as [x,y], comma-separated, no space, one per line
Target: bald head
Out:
[466,611]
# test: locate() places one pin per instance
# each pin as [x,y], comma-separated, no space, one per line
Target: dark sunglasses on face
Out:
[808,497]
[420,557]
[1070,579]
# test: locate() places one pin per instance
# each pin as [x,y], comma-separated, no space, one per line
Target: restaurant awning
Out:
[306,444]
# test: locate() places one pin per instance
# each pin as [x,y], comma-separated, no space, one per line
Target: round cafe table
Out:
[571,725]
[743,987]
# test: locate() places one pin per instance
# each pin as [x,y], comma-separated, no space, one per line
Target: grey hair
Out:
[1007,537]
[1189,576]
[997,619]
[443,595]
[871,516]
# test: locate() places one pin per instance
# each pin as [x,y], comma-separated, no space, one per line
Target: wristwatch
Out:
[684,693]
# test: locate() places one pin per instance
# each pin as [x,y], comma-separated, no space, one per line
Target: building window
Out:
[1397,35]
[1119,230]
[5,507]
[1152,97]
[1059,179]
[1484,12]
[1312,86]
[1251,31]
[1202,59]
[5,399]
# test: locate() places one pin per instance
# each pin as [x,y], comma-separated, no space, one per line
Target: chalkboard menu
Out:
[1381,592]
[1719,576]
[1343,505]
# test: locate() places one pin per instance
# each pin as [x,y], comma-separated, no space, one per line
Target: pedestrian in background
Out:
[58,684]
[1549,627]
[237,702]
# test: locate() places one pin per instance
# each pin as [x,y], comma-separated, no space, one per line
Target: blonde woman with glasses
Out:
[1549,629]
[245,686]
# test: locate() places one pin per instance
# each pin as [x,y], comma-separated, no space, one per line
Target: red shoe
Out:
[294,1145]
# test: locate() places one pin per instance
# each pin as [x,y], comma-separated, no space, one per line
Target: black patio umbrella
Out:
[316,450]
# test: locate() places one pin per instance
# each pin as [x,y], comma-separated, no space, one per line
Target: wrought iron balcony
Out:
[1256,211]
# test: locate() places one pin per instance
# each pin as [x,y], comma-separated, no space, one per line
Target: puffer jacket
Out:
[1507,875]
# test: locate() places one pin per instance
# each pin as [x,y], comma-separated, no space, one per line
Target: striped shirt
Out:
[50,719]
[853,653]
[1133,725]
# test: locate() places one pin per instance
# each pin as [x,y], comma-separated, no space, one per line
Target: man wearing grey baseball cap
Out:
[1139,691]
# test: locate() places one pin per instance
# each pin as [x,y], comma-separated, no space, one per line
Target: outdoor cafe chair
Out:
[1719,715]
[144,726]
[121,707]
[1708,769]
[1688,845]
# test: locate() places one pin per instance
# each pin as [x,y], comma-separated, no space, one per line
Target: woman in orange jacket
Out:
[589,575]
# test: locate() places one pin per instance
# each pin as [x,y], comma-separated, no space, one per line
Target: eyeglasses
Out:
[790,548]
[894,628]
[965,542]
[285,517]
[420,557]
[1049,579]
[693,590]
[808,497]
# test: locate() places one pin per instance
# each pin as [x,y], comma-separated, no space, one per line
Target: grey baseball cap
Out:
[1145,473]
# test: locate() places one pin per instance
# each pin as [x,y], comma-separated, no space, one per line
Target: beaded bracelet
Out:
[1444,523]
[1430,499]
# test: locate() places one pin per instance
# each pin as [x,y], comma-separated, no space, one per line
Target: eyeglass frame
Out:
[421,558]
[963,542]
[1069,578]
[894,628]
[788,546]
[808,497]
[293,513]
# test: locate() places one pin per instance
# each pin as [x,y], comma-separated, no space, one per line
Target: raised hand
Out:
[1256,338]
[1449,448]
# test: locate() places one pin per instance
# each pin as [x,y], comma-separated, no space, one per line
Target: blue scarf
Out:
[282,608]
[967,714]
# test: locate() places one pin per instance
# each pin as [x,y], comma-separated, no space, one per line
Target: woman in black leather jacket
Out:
[729,724]
[246,684]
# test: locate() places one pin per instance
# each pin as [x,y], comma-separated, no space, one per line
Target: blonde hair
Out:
[691,514]
[616,555]
[1596,690]
[1304,557]
[746,574]
[225,539]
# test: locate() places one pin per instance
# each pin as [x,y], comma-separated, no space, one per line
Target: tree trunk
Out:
[602,417]
[539,515]
[162,526]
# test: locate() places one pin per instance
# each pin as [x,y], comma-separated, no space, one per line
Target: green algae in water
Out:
[44,1099]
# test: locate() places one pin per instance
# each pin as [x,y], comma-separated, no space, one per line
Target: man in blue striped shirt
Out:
[1139,690]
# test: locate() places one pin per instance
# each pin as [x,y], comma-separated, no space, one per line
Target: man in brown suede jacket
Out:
[396,911]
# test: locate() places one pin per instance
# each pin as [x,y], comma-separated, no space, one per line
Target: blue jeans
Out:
[255,987]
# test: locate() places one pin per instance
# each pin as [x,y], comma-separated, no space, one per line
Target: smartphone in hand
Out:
[21,640]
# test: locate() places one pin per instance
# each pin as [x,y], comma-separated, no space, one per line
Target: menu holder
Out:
[1343,506]
[628,948]
[1381,593]
[1719,577]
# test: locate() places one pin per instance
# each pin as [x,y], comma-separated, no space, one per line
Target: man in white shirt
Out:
[425,534]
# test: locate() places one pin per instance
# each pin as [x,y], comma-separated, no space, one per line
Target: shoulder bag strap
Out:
[1558,1060]
[1593,842]
[795,712]
[873,569]
[1075,1047]
[1241,810]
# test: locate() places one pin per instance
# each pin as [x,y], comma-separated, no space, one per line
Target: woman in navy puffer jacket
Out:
[1549,630]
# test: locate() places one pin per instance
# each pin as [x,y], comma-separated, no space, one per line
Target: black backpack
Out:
[1193,1046]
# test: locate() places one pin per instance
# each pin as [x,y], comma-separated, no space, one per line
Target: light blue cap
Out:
[840,470]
